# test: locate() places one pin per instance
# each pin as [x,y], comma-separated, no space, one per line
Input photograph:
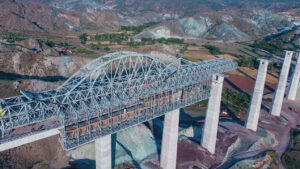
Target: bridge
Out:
[120,90]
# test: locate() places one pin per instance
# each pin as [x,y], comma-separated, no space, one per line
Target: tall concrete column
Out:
[279,93]
[295,80]
[258,91]
[103,152]
[169,140]
[210,131]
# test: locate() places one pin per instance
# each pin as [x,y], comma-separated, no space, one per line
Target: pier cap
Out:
[264,60]
[221,75]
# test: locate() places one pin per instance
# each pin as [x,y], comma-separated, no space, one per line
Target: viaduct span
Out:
[117,91]
[123,89]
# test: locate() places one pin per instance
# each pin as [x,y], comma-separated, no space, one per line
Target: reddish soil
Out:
[191,154]
[244,84]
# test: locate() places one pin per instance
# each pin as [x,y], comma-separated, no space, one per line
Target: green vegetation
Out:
[202,103]
[150,41]
[278,43]
[291,158]
[213,49]
[170,40]
[112,37]
[271,66]
[276,46]
[269,100]
[125,37]
[272,153]
[236,101]
[273,47]
[50,43]
[13,37]
[85,51]
[122,36]
[137,29]
[65,45]
[185,47]
[53,44]
[106,49]
[251,62]
[93,46]
[83,38]
[135,44]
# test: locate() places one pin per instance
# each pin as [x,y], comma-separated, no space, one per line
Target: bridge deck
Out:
[28,130]
[112,93]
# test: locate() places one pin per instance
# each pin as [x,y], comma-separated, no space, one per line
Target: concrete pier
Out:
[103,152]
[210,131]
[279,93]
[169,140]
[258,91]
[295,80]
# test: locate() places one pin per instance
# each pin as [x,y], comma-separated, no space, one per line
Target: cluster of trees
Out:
[96,47]
[251,62]
[135,44]
[117,37]
[106,49]
[150,41]
[275,47]
[164,40]
[238,101]
[214,50]
[112,37]
[83,38]
[137,29]
[50,43]
[13,37]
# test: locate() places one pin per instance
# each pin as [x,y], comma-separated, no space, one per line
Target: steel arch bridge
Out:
[114,92]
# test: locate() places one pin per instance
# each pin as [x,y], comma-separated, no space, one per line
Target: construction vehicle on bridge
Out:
[2,112]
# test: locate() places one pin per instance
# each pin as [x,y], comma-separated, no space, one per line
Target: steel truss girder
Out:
[113,80]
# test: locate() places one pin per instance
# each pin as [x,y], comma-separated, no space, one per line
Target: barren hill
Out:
[233,25]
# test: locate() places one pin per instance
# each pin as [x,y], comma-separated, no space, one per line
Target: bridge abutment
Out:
[169,140]
[295,80]
[279,93]
[258,91]
[103,152]
[210,130]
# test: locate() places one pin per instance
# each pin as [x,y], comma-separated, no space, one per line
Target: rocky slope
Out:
[97,16]
[234,25]
[33,17]
[32,65]
[168,8]
[16,16]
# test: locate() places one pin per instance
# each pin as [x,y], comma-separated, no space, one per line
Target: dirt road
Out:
[279,126]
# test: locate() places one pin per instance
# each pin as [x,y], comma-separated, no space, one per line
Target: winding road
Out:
[282,132]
